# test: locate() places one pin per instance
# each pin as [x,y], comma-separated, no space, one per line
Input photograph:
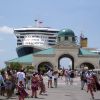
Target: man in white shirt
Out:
[21,77]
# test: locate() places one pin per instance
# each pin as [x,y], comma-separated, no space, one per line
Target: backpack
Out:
[72,75]
[83,77]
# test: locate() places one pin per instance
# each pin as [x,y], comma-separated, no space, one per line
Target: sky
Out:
[81,16]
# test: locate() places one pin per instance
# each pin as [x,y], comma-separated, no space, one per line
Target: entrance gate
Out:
[67,56]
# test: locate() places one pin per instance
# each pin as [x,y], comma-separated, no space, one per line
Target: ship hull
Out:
[25,50]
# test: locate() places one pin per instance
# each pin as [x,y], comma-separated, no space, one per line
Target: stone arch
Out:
[68,56]
[45,64]
[87,64]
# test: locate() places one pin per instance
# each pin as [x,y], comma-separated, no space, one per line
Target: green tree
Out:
[15,66]
[1,70]
[29,68]
[43,69]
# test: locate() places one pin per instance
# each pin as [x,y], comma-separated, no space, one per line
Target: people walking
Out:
[34,85]
[55,75]
[9,84]
[49,74]
[28,82]
[21,91]
[21,77]
[42,87]
[91,84]
[71,76]
[83,79]
[2,85]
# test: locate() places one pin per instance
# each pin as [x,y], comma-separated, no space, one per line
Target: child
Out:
[21,91]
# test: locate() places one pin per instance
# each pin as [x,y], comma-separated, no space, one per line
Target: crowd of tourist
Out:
[12,82]
[19,81]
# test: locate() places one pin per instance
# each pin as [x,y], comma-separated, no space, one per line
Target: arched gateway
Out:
[66,46]
[44,67]
[88,65]
[68,56]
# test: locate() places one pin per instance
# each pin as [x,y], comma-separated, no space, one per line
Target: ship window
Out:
[66,37]
[51,44]
[52,37]
[21,36]
[51,40]
[19,43]
[18,40]
[73,38]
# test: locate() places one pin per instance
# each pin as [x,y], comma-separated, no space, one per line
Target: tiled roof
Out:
[46,51]
[29,58]
[86,52]
[26,59]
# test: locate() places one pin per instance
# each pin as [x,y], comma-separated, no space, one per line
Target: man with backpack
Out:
[83,79]
[71,77]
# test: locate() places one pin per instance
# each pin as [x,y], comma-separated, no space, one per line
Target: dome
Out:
[66,32]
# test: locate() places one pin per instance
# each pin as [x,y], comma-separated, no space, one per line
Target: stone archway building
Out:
[66,46]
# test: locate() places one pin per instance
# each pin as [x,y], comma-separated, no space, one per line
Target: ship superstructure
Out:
[32,39]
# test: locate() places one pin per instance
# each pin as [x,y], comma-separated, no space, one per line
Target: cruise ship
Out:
[33,39]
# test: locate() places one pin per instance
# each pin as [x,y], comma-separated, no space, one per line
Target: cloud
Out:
[6,29]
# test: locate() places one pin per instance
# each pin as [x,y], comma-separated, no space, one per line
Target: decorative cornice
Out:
[97,56]
[44,55]
[66,45]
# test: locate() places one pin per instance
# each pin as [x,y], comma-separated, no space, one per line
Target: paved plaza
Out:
[63,92]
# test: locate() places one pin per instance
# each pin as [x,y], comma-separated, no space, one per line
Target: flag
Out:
[82,35]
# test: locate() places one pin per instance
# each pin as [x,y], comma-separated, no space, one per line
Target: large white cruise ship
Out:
[33,39]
